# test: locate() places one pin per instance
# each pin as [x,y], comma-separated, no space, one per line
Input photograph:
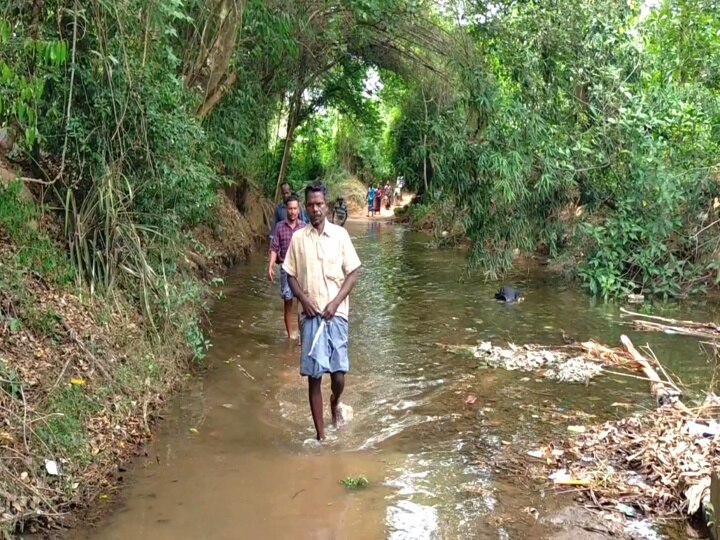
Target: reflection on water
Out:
[435,463]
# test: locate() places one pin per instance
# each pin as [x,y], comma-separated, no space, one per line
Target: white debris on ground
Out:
[575,369]
[556,365]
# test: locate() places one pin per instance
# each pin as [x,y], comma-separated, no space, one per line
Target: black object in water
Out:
[509,294]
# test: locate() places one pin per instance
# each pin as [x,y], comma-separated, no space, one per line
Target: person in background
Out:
[378,199]
[371,200]
[339,212]
[322,267]
[387,195]
[278,249]
[399,183]
[280,209]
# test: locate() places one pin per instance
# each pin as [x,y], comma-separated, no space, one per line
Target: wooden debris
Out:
[654,323]
[659,463]
[665,392]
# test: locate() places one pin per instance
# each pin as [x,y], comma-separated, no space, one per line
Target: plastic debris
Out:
[561,366]
[51,467]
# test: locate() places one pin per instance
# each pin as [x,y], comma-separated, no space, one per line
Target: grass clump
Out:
[64,431]
[355,482]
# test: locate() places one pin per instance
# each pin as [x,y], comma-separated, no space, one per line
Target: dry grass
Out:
[354,192]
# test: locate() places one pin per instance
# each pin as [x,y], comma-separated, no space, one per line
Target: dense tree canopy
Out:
[588,131]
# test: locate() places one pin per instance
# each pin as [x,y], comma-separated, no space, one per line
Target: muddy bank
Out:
[82,378]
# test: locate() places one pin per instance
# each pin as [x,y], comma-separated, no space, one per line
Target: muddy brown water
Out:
[234,456]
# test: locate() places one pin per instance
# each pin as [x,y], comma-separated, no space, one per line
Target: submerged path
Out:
[234,457]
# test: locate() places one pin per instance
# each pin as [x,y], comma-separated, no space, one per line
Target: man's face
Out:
[285,189]
[293,211]
[316,207]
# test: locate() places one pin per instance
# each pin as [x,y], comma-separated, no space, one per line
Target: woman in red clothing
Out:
[378,199]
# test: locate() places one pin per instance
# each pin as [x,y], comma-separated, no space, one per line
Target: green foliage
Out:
[10,382]
[555,106]
[310,155]
[184,303]
[27,66]
[47,323]
[136,160]
[20,219]
[355,482]
[682,43]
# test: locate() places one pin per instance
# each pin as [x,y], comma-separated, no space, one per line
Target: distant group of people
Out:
[380,196]
[318,267]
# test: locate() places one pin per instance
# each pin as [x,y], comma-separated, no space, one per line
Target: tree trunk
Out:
[293,115]
[425,178]
[210,68]
[219,92]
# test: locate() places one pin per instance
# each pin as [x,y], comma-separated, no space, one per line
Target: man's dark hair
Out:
[286,184]
[293,197]
[316,187]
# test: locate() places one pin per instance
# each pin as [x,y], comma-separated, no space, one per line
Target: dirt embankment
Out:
[82,378]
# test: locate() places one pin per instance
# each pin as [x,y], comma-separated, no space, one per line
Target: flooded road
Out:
[234,457]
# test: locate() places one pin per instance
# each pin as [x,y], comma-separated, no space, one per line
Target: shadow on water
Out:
[235,457]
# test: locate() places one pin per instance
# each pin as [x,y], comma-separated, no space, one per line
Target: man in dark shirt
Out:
[278,248]
[281,209]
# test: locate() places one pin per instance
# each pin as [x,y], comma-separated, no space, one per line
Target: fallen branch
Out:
[680,322]
[245,372]
[665,392]
[677,326]
[682,330]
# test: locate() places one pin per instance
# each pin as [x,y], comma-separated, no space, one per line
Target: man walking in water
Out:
[281,209]
[322,268]
[278,249]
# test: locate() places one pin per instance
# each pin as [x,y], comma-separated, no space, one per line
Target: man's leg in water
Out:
[288,312]
[316,406]
[337,385]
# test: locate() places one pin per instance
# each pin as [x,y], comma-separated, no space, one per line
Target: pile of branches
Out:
[658,464]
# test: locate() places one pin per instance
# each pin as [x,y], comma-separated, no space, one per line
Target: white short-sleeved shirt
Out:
[320,263]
